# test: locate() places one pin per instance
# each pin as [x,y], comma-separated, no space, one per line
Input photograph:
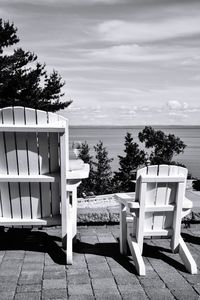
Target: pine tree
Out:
[102,170]
[23,80]
[134,157]
[87,185]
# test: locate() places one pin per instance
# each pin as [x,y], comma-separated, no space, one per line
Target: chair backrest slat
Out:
[22,161]
[12,161]
[5,208]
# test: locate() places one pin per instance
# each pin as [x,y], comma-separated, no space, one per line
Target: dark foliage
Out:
[164,147]
[87,185]
[23,80]
[102,170]
[134,158]
[196,185]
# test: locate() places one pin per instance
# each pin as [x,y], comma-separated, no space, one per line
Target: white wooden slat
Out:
[159,232]
[5,200]
[33,163]
[44,164]
[177,217]
[22,157]
[170,196]
[187,258]
[60,127]
[161,193]
[140,221]
[4,194]
[150,197]
[137,257]
[163,179]
[35,200]
[54,163]
[123,230]
[10,142]
[52,177]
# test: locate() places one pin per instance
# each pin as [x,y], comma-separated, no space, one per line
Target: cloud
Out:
[177,105]
[135,53]
[63,2]
[124,31]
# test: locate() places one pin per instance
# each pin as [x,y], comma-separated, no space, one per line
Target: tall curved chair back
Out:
[33,166]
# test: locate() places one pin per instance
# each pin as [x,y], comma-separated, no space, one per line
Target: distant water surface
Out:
[113,140]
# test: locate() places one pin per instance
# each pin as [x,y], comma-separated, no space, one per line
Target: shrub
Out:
[196,185]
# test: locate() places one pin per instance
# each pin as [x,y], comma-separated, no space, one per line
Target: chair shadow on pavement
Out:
[190,238]
[36,241]
[111,250]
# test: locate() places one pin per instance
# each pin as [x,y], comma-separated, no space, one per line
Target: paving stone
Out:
[7,295]
[81,289]
[29,288]
[78,279]
[197,288]
[107,294]
[32,266]
[99,283]
[136,296]
[54,275]
[54,284]
[54,268]
[28,296]
[101,266]
[107,239]
[94,259]
[158,294]
[132,279]
[77,271]
[90,239]
[130,288]
[30,278]
[100,273]
[7,286]
[54,294]
[9,278]
[149,282]
[81,297]
[13,254]
[108,297]
[185,294]
[121,271]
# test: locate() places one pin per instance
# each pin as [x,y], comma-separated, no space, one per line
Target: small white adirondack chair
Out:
[35,181]
[155,211]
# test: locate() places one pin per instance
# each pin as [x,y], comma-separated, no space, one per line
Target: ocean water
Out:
[113,140]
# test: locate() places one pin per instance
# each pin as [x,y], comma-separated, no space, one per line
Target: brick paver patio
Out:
[32,266]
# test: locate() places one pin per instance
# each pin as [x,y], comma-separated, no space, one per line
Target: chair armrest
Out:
[127,200]
[187,203]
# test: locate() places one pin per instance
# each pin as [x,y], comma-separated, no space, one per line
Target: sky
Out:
[125,62]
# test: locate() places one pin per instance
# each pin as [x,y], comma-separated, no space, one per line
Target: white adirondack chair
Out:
[156,210]
[34,172]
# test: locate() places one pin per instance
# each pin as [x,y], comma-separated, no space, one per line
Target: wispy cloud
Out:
[122,31]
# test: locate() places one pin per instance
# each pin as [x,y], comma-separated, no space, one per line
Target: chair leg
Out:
[69,240]
[137,257]
[123,230]
[187,258]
